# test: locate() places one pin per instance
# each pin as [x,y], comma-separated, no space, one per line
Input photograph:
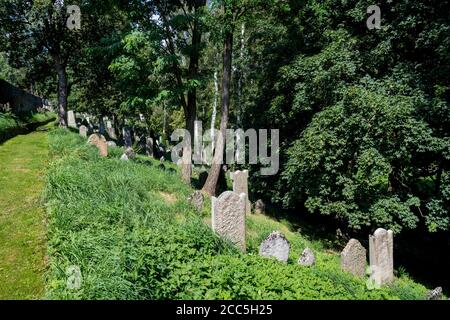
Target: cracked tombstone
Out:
[228,217]
[83,131]
[100,142]
[275,246]
[240,185]
[353,258]
[381,247]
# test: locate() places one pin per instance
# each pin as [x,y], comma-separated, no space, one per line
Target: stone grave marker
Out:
[353,258]
[240,185]
[275,246]
[381,247]
[228,217]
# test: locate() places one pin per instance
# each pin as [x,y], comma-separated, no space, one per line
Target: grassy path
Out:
[22,220]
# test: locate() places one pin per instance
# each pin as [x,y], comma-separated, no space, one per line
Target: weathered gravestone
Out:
[307,258]
[83,131]
[197,200]
[275,246]
[100,142]
[381,247]
[127,139]
[130,153]
[260,207]
[111,144]
[111,131]
[435,294]
[240,185]
[71,121]
[228,217]
[149,146]
[353,258]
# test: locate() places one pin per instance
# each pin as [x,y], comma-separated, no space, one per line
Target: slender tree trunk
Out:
[213,176]
[214,112]
[62,93]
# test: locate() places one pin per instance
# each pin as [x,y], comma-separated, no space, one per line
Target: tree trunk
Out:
[62,94]
[191,109]
[214,112]
[213,176]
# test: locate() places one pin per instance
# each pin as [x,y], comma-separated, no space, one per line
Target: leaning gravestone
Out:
[307,258]
[240,185]
[228,217]
[275,246]
[353,258]
[381,247]
[100,142]
[83,131]
[71,122]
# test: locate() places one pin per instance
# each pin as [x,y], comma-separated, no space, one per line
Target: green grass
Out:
[130,230]
[11,125]
[22,217]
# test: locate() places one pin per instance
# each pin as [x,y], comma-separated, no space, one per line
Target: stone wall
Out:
[17,100]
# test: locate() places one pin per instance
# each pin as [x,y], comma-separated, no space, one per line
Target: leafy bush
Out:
[133,234]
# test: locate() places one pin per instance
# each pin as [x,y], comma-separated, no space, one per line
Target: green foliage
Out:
[11,125]
[113,219]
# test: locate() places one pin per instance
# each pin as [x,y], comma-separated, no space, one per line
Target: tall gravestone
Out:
[228,217]
[240,185]
[127,139]
[71,121]
[149,146]
[275,246]
[353,258]
[381,253]
[83,131]
[111,131]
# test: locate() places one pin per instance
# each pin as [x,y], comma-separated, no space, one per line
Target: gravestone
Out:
[228,217]
[260,207]
[71,121]
[275,246]
[124,157]
[381,247]
[100,142]
[149,147]
[111,131]
[197,200]
[111,144]
[83,131]
[353,258]
[127,140]
[435,294]
[130,153]
[307,258]
[240,185]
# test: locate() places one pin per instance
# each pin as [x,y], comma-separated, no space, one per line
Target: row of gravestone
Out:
[228,221]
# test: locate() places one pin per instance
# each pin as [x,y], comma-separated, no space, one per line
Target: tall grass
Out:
[129,228]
